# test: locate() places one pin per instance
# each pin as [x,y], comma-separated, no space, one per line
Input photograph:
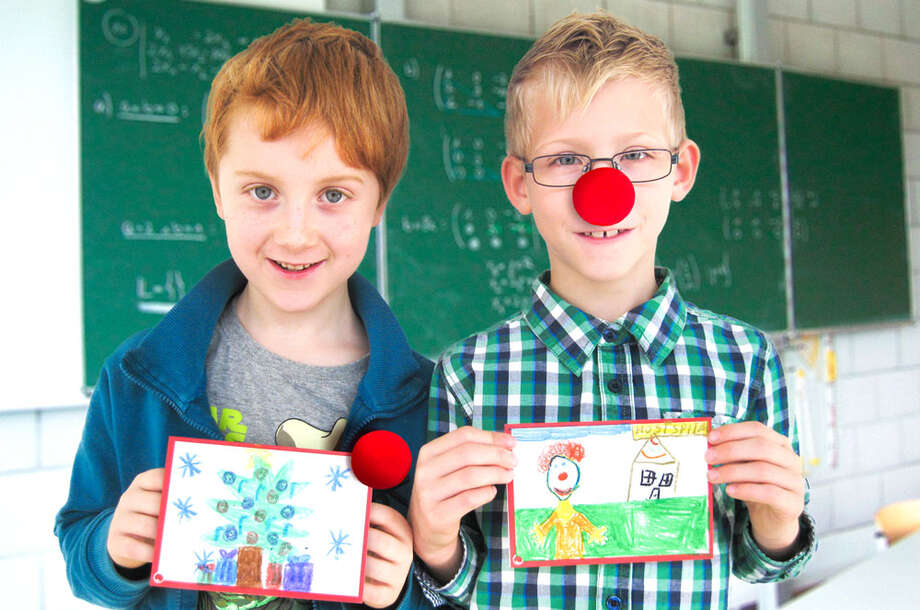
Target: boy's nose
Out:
[297,226]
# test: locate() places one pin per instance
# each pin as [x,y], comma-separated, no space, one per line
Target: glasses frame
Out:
[528,165]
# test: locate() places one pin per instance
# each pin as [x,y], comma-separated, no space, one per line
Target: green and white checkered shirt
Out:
[556,363]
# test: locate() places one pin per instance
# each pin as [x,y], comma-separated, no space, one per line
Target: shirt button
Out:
[609,335]
[614,385]
[613,603]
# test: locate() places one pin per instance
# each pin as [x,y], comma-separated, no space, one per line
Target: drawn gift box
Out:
[249,567]
[225,572]
[654,472]
[298,573]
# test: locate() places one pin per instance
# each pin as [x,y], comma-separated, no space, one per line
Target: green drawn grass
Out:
[670,526]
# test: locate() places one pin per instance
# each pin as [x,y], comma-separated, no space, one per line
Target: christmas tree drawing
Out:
[260,512]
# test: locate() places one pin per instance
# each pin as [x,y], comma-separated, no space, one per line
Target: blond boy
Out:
[285,344]
[607,337]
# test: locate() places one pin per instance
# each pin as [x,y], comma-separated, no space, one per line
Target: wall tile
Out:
[859,54]
[909,345]
[880,15]
[487,15]
[899,393]
[20,581]
[878,446]
[820,506]
[350,6]
[910,445]
[911,13]
[651,17]
[810,47]
[900,61]
[834,12]
[859,498]
[874,349]
[900,484]
[778,40]
[789,8]
[60,435]
[19,448]
[429,11]
[910,108]
[848,463]
[33,500]
[701,31]
[547,12]
[857,400]
[57,592]
[912,153]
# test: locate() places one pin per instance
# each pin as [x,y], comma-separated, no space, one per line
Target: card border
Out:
[249,590]
[603,560]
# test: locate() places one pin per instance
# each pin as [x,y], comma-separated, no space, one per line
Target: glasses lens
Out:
[559,170]
[644,165]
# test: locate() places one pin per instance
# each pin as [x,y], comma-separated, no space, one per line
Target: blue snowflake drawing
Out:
[204,558]
[189,465]
[336,475]
[338,543]
[185,508]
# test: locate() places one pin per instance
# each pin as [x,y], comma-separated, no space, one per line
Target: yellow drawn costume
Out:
[569,524]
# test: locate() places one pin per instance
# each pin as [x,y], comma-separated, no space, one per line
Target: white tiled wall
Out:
[878,393]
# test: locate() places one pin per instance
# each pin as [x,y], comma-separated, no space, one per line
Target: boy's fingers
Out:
[467,434]
[747,429]
[471,477]
[378,595]
[143,502]
[462,456]
[389,529]
[776,497]
[150,480]
[758,472]
[139,526]
[753,449]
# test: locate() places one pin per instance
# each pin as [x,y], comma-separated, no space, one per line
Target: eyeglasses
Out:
[641,165]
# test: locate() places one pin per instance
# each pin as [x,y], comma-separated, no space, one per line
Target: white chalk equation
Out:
[471,158]
[158,296]
[692,276]
[159,54]
[491,228]
[143,110]
[147,230]
[754,215]
[464,90]
[509,282]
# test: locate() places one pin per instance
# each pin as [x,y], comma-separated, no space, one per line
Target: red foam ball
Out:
[381,459]
[604,196]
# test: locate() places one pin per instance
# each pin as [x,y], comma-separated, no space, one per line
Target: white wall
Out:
[42,409]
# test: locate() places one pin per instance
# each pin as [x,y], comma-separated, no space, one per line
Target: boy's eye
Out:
[566,160]
[262,193]
[634,155]
[334,196]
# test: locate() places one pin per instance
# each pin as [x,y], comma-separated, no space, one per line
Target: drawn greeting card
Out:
[262,521]
[610,492]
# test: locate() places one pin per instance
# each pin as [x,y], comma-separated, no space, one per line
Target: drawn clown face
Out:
[562,477]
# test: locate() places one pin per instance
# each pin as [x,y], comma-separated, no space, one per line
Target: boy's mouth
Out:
[294,267]
[603,234]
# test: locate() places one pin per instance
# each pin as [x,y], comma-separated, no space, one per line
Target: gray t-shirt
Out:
[260,397]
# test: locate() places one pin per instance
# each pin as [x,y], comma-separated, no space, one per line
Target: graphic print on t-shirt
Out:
[230,423]
[295,432]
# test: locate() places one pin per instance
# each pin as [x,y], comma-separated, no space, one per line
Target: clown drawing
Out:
[560,463]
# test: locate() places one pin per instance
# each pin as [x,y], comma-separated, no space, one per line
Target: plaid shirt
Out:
[556,363]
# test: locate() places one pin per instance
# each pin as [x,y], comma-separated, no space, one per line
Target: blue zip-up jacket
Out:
[154,386]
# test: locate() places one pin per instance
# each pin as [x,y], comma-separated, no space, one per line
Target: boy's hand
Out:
[455,474]
[389,555]
[134,524]
[759,467]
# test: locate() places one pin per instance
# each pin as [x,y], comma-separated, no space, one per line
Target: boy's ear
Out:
[216,193]
[685,170]
[381,207]
[515,179]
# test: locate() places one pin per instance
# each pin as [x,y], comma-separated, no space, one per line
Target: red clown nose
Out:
[604,196]
[381,459]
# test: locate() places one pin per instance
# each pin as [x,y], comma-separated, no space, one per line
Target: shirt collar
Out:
[572,335]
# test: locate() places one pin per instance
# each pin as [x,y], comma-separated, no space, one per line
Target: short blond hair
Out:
[315,73]
[572,60]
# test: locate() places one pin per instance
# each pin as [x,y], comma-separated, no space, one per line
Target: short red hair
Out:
[308,73]
[568,449]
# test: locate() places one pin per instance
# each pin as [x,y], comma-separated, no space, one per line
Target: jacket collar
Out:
[572,335]
[171,358]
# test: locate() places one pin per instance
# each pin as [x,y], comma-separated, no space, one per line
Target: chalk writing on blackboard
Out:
[468,92]
[750,216]
[471,157]
[158,54]
[146,230]
[478,228]
[692,276]
[158,297]
[143,110]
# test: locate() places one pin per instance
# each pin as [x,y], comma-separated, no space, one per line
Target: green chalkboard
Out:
[846,181]
[149,229]
[724,242]
[459,257]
